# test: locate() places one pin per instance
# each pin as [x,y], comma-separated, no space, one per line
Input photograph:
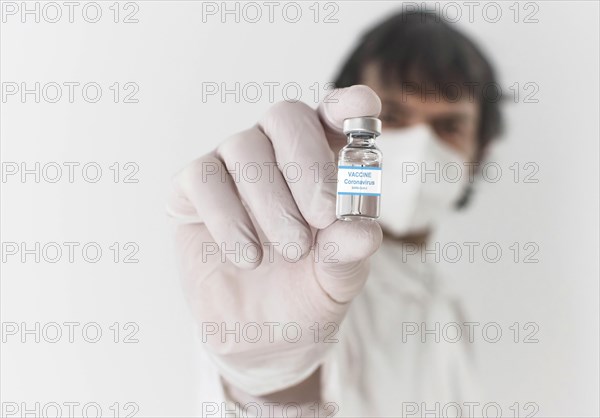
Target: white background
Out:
[170,53]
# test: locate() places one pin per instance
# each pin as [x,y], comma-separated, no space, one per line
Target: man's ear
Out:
[481,156]
[483,153]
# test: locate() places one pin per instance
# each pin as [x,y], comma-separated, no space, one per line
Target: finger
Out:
[350,102]
[262,187]
[344,248]
[305,159]
[195,263]
[207,188]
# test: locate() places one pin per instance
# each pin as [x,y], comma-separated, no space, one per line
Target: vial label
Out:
[359,181]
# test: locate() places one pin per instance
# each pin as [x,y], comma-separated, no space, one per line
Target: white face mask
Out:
[422,179]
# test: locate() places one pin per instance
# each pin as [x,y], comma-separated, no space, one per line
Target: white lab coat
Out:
[373,371]
[380,367]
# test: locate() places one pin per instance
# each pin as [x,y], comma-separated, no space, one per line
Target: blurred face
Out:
[423,136]
[455,123]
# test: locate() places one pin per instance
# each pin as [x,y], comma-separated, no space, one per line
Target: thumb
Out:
[344,248]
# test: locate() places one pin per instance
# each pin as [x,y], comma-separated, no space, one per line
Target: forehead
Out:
[425,100]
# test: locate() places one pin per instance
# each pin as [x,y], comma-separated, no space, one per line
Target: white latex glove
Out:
[238,296]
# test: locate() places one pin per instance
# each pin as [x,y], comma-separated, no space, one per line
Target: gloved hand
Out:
[269,302]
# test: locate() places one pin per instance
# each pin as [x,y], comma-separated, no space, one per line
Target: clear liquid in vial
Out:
[355,201]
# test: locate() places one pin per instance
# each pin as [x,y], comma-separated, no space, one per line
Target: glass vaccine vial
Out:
[359,170]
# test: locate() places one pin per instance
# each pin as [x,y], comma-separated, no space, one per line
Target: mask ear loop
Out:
[466,196]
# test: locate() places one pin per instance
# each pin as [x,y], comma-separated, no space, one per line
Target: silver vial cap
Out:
[362,124]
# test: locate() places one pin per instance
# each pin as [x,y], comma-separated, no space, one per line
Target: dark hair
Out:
[421,48]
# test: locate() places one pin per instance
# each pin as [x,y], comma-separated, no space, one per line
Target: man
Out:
[298,309]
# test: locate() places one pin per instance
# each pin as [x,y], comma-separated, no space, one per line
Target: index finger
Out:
[350,102]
